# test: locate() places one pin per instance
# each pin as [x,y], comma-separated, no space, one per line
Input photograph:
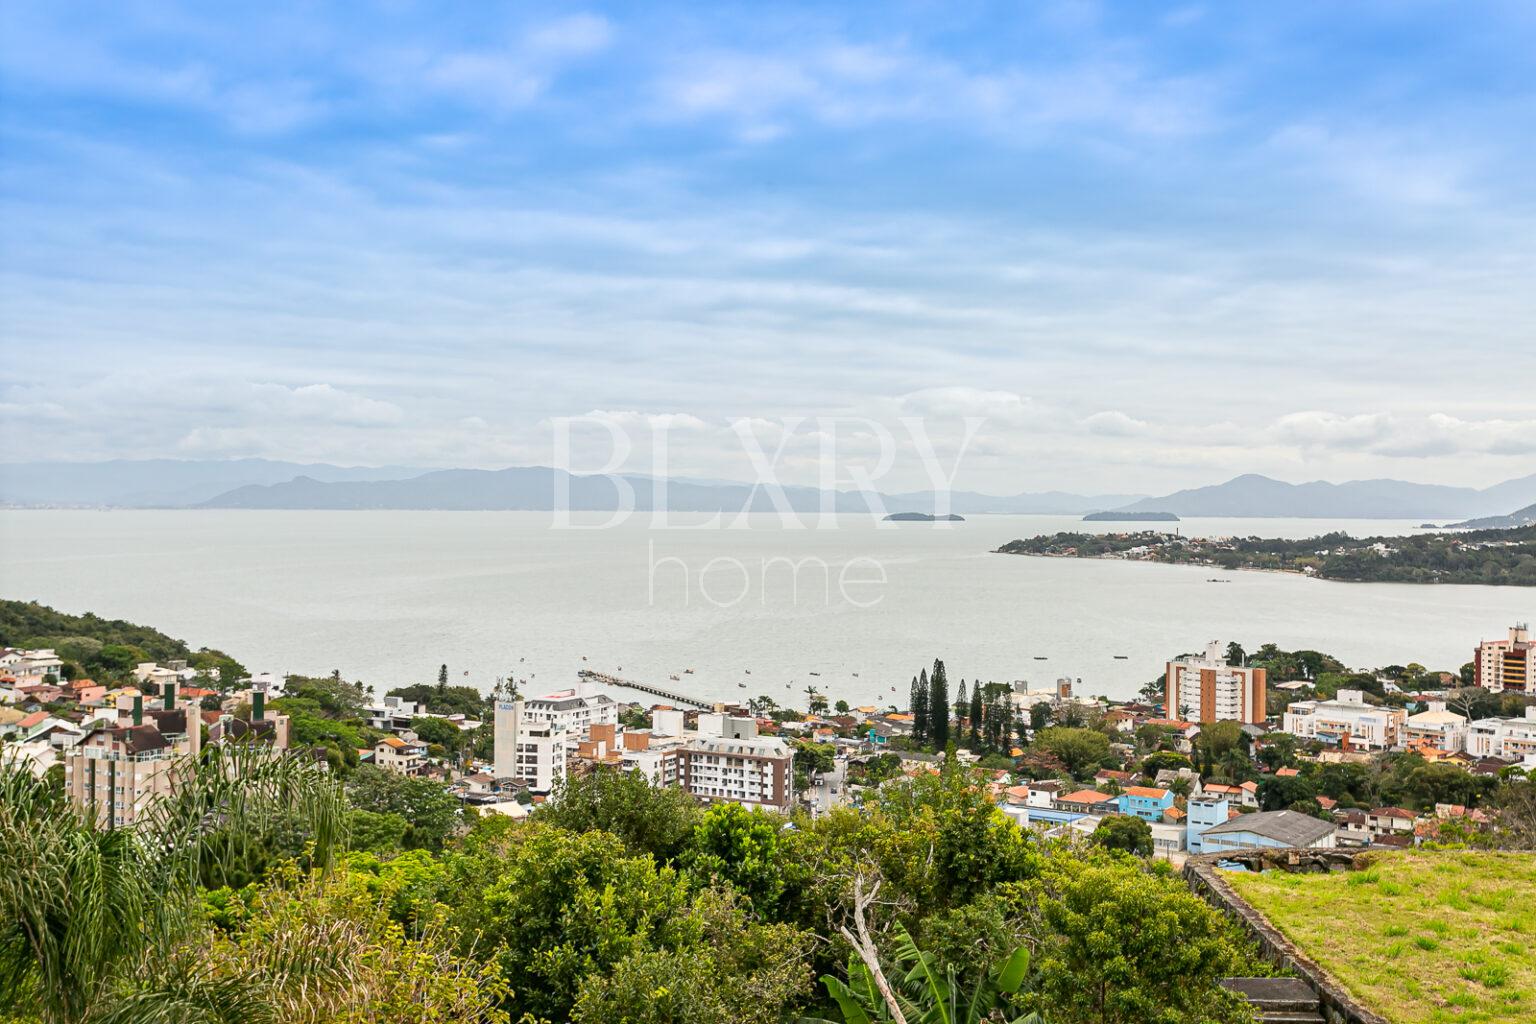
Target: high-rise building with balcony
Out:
[1204,688]
[1508,664]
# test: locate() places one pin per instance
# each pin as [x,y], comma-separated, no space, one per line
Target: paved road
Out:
[823,799]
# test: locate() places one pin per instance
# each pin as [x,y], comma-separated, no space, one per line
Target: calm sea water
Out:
[387,597]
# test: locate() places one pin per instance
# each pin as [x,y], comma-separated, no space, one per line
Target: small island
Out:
[1130,517]
[922,517]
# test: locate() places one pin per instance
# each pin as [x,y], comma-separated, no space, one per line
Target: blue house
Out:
[1146,802]
[1204,813]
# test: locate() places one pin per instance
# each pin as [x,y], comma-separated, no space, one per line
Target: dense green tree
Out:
[1120,946]
[659,821]
[741,848]
[1081,750]
[1278,792]
[440,732]
[737,972]
[1124,832]
[375,832]
[446,700]
[1164,760]
[432,812]
[561,906]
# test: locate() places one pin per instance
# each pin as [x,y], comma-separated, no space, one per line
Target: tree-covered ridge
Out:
[1497,557]
[103,649]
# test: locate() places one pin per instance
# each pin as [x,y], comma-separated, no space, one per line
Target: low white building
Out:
[1508,738]
[31,666]
[1346,720]
[1441,729]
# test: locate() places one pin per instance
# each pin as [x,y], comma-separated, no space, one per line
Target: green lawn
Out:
[1418,937]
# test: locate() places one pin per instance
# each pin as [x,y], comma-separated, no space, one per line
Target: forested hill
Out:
[1498,557]
[103,648]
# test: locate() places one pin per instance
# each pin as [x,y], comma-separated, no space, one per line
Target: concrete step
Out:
[1278,1000]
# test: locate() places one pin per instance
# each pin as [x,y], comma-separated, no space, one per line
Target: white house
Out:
[1346,720]
[1441,729]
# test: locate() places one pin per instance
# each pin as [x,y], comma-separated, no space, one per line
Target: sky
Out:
[1151,245]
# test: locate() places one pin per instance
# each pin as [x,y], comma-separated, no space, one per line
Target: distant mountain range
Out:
[1253,495]
[159,483]
[263,484]
[533,488]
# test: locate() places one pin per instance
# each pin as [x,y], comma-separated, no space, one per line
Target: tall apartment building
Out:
[737,766]
[1508,664]
[1346,720]
[528,750]
[119,769]
[1204,688]
[1508,738]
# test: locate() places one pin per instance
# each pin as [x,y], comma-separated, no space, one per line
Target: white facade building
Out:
[530,751]
[1511,739]
[1442,729]
[1346,720]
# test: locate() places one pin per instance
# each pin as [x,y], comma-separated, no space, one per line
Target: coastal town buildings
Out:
[1204,688]
[121,767]
[528,751]
[1509,739]
[1508,664]
[1346,721]
[1436,728]
[1268,829]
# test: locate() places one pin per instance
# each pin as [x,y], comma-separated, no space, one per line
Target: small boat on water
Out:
[1040,657]
[855,675]
[1121,657]
[742,685]
[815,673]
[674,678]
[687,671]
[747,671]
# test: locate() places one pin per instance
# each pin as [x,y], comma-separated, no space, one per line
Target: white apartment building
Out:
[1508,664]
[573,711]
[738,767]
[1346,720]
[1442,729]
[1508,738]
[1204,688]
[528,750]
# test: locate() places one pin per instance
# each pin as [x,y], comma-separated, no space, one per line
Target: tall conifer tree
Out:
[921,726]
[938,707]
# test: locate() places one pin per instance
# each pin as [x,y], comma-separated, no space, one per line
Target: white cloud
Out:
[322,403]
[1114,423]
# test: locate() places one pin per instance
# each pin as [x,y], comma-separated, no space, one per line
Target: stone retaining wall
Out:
[1206,881]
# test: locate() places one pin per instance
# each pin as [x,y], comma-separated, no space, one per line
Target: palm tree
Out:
[90,917]
[924,994]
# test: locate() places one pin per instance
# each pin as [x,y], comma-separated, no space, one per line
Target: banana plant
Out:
[925,994]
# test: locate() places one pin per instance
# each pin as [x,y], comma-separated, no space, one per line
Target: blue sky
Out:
[1155,245]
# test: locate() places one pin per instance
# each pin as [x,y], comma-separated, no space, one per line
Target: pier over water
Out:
[589,675]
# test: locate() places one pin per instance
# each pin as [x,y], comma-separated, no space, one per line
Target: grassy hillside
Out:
[1422,937]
